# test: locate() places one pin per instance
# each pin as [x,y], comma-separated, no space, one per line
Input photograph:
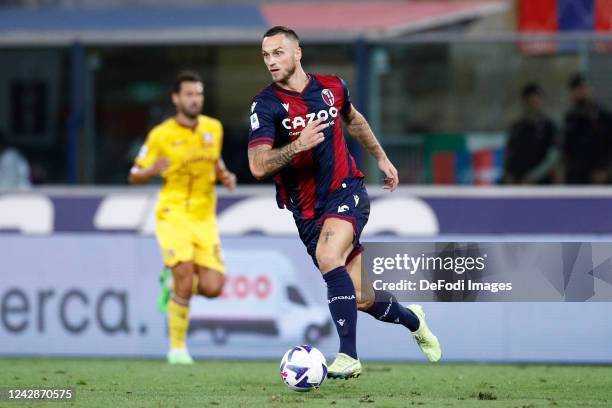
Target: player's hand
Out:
[162,164]
[391,176]
[228,179]
[311,136]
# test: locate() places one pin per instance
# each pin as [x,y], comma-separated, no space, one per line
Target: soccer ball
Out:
[303,368]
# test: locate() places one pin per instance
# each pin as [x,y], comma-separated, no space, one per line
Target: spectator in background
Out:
[531,151]
[14,168]
[587,138]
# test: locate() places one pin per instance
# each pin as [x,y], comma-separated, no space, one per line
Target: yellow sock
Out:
[178,323]
[194,284]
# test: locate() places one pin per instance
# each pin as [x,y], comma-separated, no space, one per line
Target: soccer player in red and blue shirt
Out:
[296,136]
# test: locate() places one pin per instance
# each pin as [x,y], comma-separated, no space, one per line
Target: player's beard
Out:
[285,78]
[192,111]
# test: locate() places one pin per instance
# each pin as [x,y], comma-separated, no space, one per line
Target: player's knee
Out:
[213,288]
[328,259]
[211,293]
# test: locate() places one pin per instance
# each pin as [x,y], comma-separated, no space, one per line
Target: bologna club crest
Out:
[328,97]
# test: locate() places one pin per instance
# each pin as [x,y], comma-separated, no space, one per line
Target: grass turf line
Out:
[153,383]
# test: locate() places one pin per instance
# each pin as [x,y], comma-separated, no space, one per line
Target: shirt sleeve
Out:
[220,136]
[149,152]
[262,130]
[346,105]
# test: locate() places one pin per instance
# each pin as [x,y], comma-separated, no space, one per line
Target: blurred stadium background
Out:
[82,82]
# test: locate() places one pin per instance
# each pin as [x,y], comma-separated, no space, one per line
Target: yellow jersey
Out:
[189,183]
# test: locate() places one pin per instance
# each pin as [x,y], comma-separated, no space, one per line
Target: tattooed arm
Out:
[265,161]
[359,128]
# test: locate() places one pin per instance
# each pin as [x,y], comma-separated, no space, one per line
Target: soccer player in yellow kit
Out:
[185,151]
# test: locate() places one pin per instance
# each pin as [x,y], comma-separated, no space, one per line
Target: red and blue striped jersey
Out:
[277,118]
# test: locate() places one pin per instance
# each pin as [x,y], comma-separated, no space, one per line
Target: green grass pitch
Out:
[217,383]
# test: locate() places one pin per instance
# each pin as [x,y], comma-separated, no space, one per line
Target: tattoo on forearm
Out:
[277,158]
[272,160]
[361,131]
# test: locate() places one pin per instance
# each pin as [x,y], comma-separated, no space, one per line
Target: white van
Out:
[262,297]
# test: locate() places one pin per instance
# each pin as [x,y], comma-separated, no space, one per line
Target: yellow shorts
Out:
[183,240]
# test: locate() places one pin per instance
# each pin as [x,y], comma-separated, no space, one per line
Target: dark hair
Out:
[576,81]
[185,76]
[529,89]
[282,30]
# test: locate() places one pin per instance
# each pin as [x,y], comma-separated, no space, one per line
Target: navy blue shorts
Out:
[350,202]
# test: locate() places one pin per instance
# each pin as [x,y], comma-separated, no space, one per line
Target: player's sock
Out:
[178,322]
[195,282]
[342,304]
[387,309]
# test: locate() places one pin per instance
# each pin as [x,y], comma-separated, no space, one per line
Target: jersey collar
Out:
[179,124]
[294,93]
